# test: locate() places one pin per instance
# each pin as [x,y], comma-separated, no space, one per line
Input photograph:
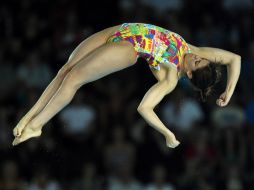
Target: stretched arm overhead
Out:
[233,63]
[154,95]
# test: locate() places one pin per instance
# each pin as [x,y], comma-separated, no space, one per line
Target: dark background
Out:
[99,141]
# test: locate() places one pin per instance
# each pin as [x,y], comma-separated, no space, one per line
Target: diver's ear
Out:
[189,74]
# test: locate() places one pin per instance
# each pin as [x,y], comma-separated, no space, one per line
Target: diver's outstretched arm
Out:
[233,63]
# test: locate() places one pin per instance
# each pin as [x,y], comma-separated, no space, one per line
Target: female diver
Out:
[118,47]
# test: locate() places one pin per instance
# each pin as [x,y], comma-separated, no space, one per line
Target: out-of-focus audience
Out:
[99,141]
[42,181]
[77,118]
[182,112]
[159,179]
[88,179]
[10,177]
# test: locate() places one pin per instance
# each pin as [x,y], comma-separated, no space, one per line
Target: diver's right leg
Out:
[103,61]
[83,49]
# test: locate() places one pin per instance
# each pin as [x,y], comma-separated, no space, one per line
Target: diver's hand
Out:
[171,140]
[223,99]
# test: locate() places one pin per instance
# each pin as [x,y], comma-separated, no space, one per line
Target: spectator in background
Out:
[9,179]
[136,125]
[233,148]
[163,5]
[187,181]
[249,111]
[246,31]
[116,97]
[247,74]
[120,153]
[232,115]
[127,8]
[88,179]
[68,36]
[120,161]
[248,172]
[124,180]
[231,5]
[233,179]
[77,118]
[199,147]
[8,78]
[5,133]
[41,181]
[25,97]
[247,93]
[159,181]
[211,33]
[32,29]
[181,112]
[33,73]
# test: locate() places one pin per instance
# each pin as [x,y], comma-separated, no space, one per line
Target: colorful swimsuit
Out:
[155,44]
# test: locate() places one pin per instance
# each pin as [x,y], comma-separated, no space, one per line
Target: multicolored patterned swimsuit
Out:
[155,44]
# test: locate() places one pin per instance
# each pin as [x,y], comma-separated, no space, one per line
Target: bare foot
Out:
[28,132]
[21,125]
[171,141]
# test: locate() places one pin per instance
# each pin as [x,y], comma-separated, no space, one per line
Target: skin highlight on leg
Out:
[83,49]
[104,60]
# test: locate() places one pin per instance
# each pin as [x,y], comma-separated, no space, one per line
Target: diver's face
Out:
[196,62]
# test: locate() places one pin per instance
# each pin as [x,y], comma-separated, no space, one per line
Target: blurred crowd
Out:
[99,141]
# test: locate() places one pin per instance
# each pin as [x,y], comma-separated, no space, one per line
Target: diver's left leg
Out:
[81,51]
[104,60]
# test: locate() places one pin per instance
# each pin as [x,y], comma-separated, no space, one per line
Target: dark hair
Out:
[205,78]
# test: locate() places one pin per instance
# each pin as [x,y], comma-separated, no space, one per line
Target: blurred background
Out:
[99,141]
